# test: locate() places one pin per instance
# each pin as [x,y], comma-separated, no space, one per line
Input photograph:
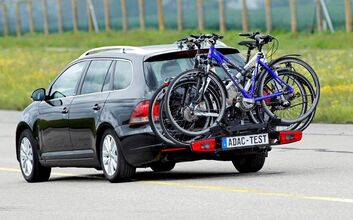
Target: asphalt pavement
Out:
[311,179]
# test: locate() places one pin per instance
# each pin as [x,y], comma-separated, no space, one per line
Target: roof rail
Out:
[122,49]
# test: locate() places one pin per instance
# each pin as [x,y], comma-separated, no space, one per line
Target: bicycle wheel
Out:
[185,103]
[258,115]
[160,124]
[291,107]
[310,94]
[179,138]
[299,66]
[154,115]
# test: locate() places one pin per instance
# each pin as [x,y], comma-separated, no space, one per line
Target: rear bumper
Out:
[223,155]
[215,151]
[139,144]
[142,148]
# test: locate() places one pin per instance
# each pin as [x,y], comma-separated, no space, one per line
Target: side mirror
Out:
[38,94]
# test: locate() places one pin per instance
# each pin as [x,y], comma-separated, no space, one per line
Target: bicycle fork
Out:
[198,106]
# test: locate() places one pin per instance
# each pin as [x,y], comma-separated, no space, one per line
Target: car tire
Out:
[114,165]
[250,163]
[163,167]
[31,168]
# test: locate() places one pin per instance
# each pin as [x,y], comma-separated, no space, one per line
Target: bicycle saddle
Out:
[248,43]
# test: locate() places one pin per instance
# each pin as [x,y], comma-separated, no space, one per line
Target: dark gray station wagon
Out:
[95,114]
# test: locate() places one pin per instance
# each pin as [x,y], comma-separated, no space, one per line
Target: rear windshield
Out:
[161,67]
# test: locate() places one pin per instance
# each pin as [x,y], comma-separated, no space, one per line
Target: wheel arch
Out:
[100,131]
[20,128]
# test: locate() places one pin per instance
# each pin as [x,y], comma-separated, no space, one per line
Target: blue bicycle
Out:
[205,99]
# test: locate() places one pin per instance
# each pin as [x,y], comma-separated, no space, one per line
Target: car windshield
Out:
[165,66]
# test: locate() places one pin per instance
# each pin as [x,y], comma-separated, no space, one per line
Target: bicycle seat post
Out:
[248,54]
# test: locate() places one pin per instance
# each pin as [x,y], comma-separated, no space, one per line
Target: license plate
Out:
[243,141]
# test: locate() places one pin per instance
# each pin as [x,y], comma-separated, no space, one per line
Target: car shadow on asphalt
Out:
[165,176]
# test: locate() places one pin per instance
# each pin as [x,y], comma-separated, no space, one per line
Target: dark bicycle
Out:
[261,84]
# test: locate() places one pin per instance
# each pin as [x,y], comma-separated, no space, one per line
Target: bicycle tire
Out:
[272,115]
[151,117]
[163,133]
[298,126]
[219,86]
[311,77]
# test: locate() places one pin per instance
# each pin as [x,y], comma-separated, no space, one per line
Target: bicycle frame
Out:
[223,61]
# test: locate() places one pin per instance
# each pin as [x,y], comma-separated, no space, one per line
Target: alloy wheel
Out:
[26,156]
[109,155]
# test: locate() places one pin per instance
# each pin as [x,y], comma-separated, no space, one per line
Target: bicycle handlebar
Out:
[244,34]
[198,39]
[260,39]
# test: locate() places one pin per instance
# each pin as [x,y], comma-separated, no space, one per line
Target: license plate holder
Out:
[245,141]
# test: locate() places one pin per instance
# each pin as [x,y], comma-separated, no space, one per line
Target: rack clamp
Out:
[237,127]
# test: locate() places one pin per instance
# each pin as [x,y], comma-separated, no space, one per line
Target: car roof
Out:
[142,51]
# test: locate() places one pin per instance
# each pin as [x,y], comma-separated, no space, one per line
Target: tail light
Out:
[140,114]
[156,111]
[286,137]
[208,145]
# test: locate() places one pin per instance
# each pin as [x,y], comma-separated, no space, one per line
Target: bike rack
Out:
[235,127]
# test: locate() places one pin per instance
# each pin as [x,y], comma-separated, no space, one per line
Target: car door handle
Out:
[65,110]
[96,107]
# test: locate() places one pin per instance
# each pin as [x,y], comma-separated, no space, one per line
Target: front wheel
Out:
[250,163]
[114,165]
[31,168]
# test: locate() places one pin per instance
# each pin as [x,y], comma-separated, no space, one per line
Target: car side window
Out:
[122,74]
[66,84]
[95,76]
[108,79]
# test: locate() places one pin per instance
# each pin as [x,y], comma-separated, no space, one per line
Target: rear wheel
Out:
[160,123]
[305,70]
[114,165]
[31,169]
[163,167]
[250,163]
[193,111]
[292,107]
[307,94]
